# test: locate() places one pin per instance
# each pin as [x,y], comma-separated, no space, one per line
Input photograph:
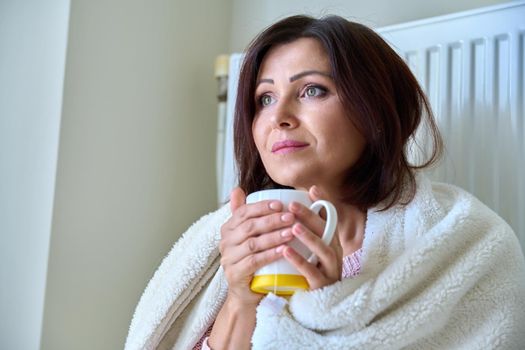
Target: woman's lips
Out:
[287,146]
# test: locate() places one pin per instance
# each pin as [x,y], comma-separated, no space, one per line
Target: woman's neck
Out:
[351,227]
[351,222]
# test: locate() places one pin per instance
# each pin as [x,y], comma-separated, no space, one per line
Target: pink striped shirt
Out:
[351,268]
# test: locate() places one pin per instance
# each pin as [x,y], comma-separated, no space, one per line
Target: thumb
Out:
[315,193]
[237,198]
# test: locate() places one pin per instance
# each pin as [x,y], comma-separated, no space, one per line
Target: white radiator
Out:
[471,65]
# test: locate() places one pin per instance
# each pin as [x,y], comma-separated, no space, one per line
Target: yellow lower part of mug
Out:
[278,284]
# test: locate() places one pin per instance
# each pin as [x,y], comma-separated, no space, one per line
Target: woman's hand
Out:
[309,230]
[253,237]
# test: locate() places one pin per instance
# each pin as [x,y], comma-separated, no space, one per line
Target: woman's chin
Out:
[297,183]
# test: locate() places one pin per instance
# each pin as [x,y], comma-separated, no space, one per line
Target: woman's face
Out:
[301,130]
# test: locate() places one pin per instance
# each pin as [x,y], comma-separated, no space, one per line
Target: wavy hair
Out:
[376,87]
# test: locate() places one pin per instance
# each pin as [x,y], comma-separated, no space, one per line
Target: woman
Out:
[328,107]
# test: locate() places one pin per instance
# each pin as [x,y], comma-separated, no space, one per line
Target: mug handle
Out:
[331,223]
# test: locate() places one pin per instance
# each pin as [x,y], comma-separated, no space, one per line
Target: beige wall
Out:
[250,17]
[136,157]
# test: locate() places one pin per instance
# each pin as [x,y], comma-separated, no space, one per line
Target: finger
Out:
[336,244]
[326,254]
[237,198]
[251,263]
[313,275]
[257,244]
[307,217]
[254,210]
[259,226]
[315,193]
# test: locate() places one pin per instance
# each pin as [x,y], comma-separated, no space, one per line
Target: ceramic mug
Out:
[281,277]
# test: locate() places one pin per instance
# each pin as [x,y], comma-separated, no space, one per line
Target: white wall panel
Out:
[471,66]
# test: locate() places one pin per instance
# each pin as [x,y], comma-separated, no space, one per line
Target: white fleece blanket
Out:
[443,272]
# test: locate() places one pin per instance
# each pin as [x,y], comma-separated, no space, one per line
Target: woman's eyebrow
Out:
[270,81]
[309,72]
[296,76]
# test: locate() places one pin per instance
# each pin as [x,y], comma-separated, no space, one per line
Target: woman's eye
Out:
[266,100]
[314,91]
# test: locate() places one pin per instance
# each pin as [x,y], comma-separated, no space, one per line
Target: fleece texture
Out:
[442,272]
[176,288]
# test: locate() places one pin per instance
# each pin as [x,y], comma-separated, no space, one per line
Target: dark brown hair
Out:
[383,99]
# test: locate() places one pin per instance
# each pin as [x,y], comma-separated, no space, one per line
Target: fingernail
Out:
[298,229]
[287,217]
[316,191]
[289,253]
[286,233]
[275,205]
[279,249]
[295,207]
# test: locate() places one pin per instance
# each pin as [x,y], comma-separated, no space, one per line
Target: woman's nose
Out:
[284,116]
